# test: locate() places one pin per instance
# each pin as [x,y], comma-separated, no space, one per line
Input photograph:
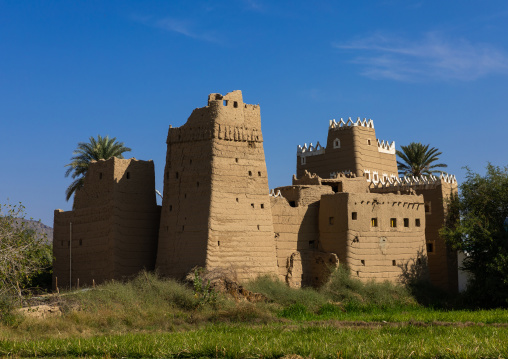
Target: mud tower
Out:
[216,208]
[111,233]
[351,146]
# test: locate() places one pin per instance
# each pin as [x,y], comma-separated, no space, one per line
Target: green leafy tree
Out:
[476,224]
[418,160]
[24,254]
[101,148]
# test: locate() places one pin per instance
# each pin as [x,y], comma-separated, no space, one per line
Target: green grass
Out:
[153,317]
[276,340]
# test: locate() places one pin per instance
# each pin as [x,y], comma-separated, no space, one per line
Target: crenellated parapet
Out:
[386,147]
[310,150]
[274,193]
[350,123]
[412,181]
[342,174]
[219,131]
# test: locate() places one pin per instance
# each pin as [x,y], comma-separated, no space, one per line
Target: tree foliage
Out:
[23,253]
[101,148]
[476,225]
[418,160]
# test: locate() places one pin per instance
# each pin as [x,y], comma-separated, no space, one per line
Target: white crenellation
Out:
[310,150]
[386,147]
[273,194]
[350,123]
[409,181]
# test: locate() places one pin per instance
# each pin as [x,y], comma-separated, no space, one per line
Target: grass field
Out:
[153,317]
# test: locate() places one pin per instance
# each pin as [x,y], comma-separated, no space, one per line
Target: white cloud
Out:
[430,58]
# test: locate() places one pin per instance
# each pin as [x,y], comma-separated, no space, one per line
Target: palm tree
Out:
[101,148]
[418,160]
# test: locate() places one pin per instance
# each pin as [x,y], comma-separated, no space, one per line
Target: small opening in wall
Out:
[250,173]
[311,244]
[330,220]
[185,195]
[197,183]
[176,174]
[417,222]
[373,222]
[406,222]
[128,175]
[357,273]
[430,247]
[225,102]
[258,227]
[367,175]
[335,189]
[259,173]
[292,203]
[80,242]
[368,142]
[354,216]
[183,228]
[236,160]
[427,207]
[375,177]
[62,243]
[394,262]
[303,160]
[252,205]
[170,207]
[235,104]
[393,222]
[237,199]
[262,205]
[190,162]
[363,262]
[218,243]
[100,175]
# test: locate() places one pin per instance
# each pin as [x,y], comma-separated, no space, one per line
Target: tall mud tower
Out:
[216,208]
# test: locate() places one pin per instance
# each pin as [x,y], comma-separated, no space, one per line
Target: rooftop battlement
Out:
[409,181]
[386,147]
[350,123]
[310,150]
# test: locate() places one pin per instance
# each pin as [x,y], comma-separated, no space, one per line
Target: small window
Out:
[311,244]
[430,247]
[336,143]
[225,102]
[259,173]
[363,262]
[218,243]
[303,160]
[170,207]
[100,175]
[185,195]
[354,216]
[190,162]
[176,174]
[376,178]
[252,205]
[183,228]
[292,203]
[394,262]
[236,160]
[258,227]
[330,220]
[417,222]
[427,207]
[335,189]
[393,222]
[373,222]
[368,142]
[237,200]
[235,104]
[80,242]
[406,222]
[250,173]
[367,175]
[262,205]
[128,175]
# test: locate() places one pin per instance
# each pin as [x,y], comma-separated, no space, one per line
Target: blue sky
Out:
[426,71]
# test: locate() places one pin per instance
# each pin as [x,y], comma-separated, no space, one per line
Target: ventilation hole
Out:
[190,162]
[236,160]
[354,216]
[292,203]
[237,200]
[235,104]
[80,242]
[406,222]
[218,243]
[197,183]
[363,262]
[250,173]
[128,175]
[259,174]
[225,102]
[262,205]
[252,205]
[100,175]
[394,263]
[311,244]
[62,243]
[183,228]
[185,195]
[258,227]
[176,174]
[170,207]
[417,222]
